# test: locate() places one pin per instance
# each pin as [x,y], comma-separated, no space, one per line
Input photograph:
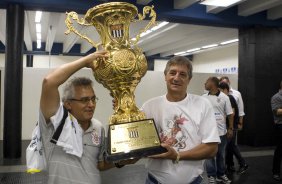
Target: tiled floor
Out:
[259,160]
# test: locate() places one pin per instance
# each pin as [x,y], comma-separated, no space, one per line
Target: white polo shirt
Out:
[238,97]
[182,125]
[222,107]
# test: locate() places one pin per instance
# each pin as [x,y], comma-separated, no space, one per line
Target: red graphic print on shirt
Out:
[172,133]
[95,138]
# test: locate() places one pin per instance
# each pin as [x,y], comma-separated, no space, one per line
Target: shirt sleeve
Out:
[208,128]
[240,105]
[54,120]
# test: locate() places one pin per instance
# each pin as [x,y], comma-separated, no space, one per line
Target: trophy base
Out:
[135,154]
[133,140]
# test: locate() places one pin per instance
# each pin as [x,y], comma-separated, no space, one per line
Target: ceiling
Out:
[191,25]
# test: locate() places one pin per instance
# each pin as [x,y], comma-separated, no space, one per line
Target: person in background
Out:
[186,126]
[222,108]
[238,97]
[276,106]
[232,147]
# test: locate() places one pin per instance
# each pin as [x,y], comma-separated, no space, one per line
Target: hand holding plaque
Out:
[130,133]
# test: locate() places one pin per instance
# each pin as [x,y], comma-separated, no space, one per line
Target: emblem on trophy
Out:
[130,133]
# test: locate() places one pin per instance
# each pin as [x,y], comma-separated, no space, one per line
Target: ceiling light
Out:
[162,24]
[154,28]
[229,41]
[145,33]
[193,50]
[38,15]
[38,44]
[221,3]
[179,53]
[38,28]
[38,36]
[209,46]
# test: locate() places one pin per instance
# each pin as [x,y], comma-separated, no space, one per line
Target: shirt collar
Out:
[217,94]
[91,128]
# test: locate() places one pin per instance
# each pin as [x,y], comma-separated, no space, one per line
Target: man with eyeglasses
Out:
[77,155]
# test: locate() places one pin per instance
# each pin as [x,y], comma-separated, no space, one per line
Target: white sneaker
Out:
[212,180]
[223,179]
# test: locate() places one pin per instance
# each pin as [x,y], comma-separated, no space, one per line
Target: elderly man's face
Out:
[82,106]
[177,79]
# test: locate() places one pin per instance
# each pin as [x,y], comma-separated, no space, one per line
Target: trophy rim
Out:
[101,9]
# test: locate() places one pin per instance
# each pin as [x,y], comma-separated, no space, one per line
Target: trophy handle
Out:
[73,16]
[152,22]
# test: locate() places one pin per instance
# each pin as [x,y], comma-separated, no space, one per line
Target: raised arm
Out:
[50,99]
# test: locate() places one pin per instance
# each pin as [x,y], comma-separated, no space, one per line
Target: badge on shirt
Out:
[95,138]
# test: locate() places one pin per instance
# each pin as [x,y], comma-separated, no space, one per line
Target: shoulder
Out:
[204,95]
[277,95]
[277,98]
[235,92]
[198,100]
[223,96]
[97,124]
[153,101]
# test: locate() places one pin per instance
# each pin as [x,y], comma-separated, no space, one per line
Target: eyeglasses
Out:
[86,100]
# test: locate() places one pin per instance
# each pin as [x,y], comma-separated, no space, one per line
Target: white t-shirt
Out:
[222,107]
[238,97]
[183,125]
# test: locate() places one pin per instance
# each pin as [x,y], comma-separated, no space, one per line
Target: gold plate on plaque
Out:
[131,136]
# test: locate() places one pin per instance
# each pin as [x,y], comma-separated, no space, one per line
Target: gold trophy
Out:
[130,134]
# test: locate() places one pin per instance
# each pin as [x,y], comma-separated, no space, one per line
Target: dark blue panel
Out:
[90,51]
[78,5]
[75,49]
[196,14]
[57,48]
[156,56]
[54,5]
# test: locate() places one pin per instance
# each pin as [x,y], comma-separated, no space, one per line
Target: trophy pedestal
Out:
[133,140]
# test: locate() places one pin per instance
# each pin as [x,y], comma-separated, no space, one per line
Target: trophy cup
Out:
[130,134]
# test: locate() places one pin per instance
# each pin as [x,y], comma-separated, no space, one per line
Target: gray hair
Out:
[180,60]
[68,91]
